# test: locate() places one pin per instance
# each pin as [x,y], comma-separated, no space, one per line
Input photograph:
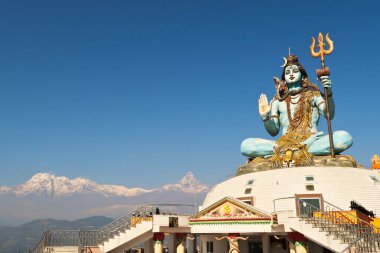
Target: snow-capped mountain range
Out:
[48,184]
[46,195]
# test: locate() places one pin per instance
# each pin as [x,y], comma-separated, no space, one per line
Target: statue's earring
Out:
[304,82]
[284,87]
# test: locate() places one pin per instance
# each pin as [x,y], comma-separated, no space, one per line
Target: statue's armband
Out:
[319,102]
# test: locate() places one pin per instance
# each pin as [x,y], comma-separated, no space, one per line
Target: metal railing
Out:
[42,244]
[123,223]
[344,226]
[63,238]
[94,238]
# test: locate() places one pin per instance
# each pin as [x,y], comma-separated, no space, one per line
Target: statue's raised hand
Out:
[264,106]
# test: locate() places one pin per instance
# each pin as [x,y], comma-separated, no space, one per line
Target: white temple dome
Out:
[337,185]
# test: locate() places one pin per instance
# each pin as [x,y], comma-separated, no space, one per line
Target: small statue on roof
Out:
[375,162]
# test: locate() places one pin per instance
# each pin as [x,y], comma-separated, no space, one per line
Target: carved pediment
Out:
[230,209]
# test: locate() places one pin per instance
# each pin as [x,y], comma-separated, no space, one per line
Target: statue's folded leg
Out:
[342,141]
[256,147]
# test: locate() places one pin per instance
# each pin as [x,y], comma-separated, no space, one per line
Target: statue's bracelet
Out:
[266,118]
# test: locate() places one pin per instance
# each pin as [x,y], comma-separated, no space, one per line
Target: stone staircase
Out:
[317,235]
[336,230]
[131,230]
[129,238]
[123,233]
[127,231]
[360,239]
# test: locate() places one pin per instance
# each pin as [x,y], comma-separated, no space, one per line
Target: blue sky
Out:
[140,92]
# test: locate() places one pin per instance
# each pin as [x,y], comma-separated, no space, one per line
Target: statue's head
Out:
[293,71]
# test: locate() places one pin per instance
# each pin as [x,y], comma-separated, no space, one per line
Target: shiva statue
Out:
[296,107]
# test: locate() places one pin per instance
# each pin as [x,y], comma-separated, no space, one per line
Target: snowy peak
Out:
[188,179]
[187,184]
[47,184]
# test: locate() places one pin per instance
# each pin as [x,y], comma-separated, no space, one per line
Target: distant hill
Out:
[46,195]
[25,237]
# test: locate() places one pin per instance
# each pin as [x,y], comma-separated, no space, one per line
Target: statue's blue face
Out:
[292,74]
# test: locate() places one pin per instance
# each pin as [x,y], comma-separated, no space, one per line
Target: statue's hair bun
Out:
[291,59]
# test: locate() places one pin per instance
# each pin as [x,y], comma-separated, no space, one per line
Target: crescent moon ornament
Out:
[285,62]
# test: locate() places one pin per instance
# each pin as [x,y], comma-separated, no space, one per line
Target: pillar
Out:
[148,246]
[181,242]
[158,239]
[301,247]
[191,243]
[266,243]
[292,247]
[171,240]
[201,247]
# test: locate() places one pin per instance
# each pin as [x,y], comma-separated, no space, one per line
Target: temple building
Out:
[296,209]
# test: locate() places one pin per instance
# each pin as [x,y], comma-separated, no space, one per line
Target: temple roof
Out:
[338,185]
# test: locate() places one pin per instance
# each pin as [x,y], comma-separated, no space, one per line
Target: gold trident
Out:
[325,71]
[322,52]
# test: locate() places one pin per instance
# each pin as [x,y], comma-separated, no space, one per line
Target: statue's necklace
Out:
[295,99]
[298,114]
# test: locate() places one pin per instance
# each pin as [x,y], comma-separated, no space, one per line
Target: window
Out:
[247,200]
[309,183]
[209,247]
[306,204]
[250,182]
[173,222]
[375,179]
[248,191]
[309,206]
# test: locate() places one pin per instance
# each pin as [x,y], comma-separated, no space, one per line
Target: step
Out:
[347,240]
[62,249]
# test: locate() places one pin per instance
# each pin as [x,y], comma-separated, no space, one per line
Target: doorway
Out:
[255,247]
[307,204]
